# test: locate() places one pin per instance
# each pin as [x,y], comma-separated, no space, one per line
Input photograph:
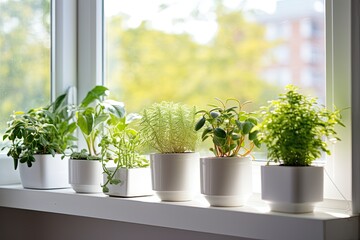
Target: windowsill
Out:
[252,221]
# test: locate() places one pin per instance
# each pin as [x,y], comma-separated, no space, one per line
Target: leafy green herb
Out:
[230,128]
[121,145]
[91,119]
[295,128]
[45,130]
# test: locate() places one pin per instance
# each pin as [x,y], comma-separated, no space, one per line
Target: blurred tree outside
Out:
[146,65]
[24,56]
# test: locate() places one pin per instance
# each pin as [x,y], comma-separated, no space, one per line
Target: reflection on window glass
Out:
[24,56]
[196,50]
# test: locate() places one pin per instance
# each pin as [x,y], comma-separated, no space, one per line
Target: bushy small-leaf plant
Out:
[295,128]
[121,145]
[90,117]
[230,128]
[168,127]
[44,130]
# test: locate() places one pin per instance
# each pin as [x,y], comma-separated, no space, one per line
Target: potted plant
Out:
[38,140]
[168,128]
[85,170]
[295,129]
[131,176]
[226,179]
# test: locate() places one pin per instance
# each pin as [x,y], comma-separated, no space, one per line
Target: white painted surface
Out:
[251,221]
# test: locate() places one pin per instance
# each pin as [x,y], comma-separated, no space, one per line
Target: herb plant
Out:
[121,145]
[230,128]
[45,130]
[295,128]
[168,127]
[91,115]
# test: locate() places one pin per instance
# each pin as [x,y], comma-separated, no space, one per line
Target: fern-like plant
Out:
[169,127]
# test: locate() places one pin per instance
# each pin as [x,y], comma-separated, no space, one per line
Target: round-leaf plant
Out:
[230,128]
[295,128]
[168,127]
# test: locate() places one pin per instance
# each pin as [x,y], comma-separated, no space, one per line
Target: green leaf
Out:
[206,131]
[219,132]
[115,181]
[214,114]
[95,94]
[247,127]
[219,141]
[235,136]
[257,143]
[105,189]
[239,125]
[85,121]
[253,135]
[59,101]
[200,123]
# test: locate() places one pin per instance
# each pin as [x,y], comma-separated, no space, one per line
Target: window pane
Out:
[24,56]
[195,50]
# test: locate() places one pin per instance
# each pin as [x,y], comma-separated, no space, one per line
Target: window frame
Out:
[77,61]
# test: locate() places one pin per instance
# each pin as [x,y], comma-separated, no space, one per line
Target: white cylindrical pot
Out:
[85,176]
[134,182]
[292,189]
[47,172]
[175,176]
[226,181]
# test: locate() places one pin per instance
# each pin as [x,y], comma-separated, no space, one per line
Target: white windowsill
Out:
[251,221]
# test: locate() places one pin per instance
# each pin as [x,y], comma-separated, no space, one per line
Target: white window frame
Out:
[79,36]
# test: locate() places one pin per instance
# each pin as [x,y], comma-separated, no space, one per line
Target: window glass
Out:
[24,56]
[196,50]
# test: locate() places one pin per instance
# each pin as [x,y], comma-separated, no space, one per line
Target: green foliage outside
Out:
[295,128]
[146,65]
[24,56]
[230,129]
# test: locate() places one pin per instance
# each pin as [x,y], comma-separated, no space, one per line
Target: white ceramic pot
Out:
[292,189]
[85,176]
[47,172]
[175,176]
[226,181]
[8,175]
[134,182]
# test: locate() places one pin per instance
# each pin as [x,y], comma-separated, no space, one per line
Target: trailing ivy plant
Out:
[295,128]
[230,128]
[168,127]
[91,116]
[121,145]
[44,130]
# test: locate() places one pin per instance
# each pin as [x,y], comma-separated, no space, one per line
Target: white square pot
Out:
[292,189]
[47,172]
[134,182]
